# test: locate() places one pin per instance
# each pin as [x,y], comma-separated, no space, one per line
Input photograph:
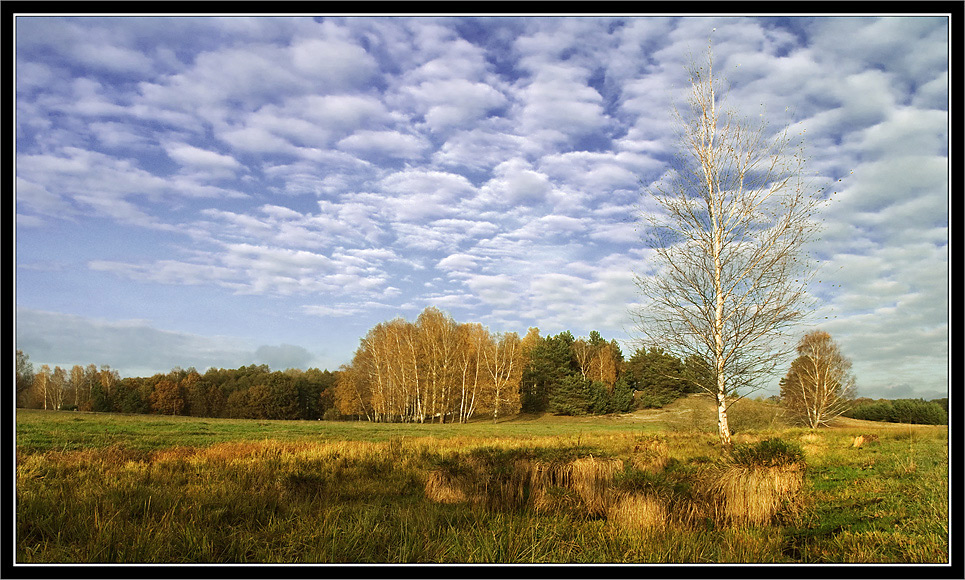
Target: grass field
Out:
[652,486]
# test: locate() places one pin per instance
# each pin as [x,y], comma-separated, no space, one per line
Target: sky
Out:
[223,191]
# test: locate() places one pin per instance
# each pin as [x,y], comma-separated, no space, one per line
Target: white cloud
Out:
[548,227]
[203,159]
[906,132]
[37,199]
[456,263]
[256,140]
[116,135]
[168,272]
[497,290]
[392,144]
[454,103]
[334,62]
[515,182]
[933,94]
[113,58]
[345,309]
[420,195]
[558,107]
[251,269]
[479,149]
[102,185]
[283,356]
[441,234]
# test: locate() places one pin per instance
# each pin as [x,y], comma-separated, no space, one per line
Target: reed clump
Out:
[444,487]
[590,478]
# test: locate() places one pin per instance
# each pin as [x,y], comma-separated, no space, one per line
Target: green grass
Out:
[883,502]
[39,431]
[114,488]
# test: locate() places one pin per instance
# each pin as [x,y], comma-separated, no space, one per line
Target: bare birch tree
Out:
[473,339]
[437,336]
[504,364]
[42,385]
[583,353]
[733,217]
[819,385]
[77,383]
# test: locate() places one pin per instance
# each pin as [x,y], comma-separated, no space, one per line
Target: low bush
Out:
[774,452]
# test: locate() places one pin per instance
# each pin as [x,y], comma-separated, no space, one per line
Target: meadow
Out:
[649,487]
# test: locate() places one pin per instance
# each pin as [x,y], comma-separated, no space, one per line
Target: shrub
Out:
[621,401]
[768,453]
[578,396]
[645,513]
[753,494]
[879,411]
[598,399]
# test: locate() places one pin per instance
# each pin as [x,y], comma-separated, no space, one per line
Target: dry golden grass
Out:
[325,495]
[754,495]
[650,455]
[638,512]
[590,477]
[862,439]
[547,485]
[442,488]
[730,495]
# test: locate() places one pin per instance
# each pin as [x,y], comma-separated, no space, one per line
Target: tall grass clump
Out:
[636,512]
[760,481]
[590,477]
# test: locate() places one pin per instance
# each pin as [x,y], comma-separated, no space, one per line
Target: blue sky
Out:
[225,191]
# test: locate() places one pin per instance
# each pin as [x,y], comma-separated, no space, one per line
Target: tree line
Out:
[917,411]
[437,369]
[432,369]
[248,392]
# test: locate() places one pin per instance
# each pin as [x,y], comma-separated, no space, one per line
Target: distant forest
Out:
[433,369]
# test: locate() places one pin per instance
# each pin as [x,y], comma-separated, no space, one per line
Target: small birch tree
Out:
[733,216]
[819,385]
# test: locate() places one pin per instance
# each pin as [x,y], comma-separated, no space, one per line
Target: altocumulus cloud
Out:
[294,181]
